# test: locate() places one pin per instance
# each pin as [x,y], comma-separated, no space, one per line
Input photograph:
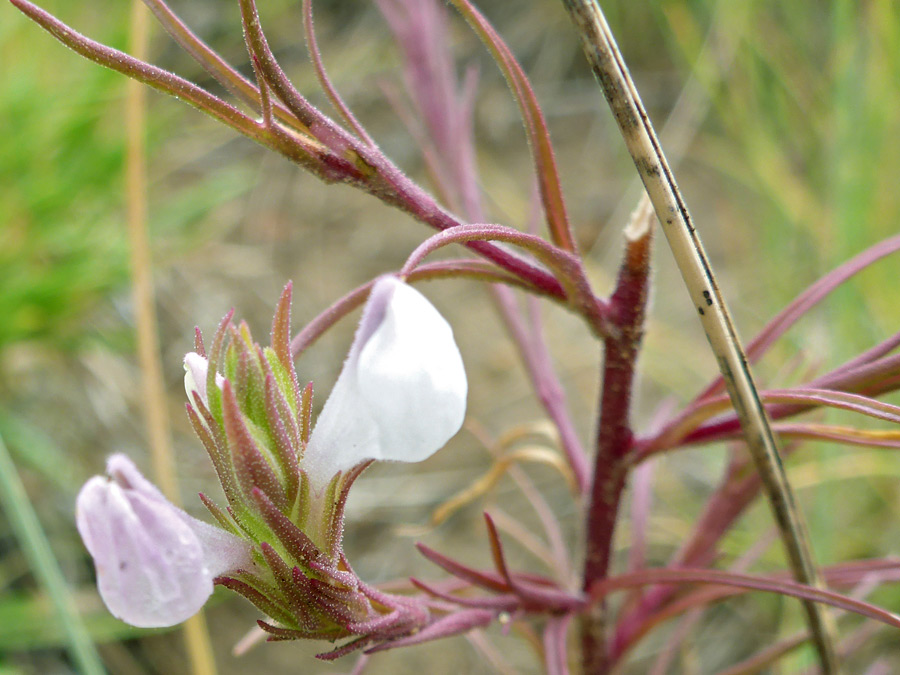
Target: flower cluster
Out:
[400,396]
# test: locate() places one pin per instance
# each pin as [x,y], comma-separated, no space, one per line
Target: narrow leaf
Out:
[535,125]
[652,577]
[251,467]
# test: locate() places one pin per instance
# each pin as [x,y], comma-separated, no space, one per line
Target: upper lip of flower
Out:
[401,394]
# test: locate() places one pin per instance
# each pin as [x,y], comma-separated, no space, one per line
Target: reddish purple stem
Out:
[614,439]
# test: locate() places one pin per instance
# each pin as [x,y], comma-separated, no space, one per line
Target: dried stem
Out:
[146,327]
[608,65]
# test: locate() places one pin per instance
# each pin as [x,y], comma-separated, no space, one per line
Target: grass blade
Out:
[43,563]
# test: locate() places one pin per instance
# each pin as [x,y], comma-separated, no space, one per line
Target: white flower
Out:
[155,563]
[195,370]
[402,392]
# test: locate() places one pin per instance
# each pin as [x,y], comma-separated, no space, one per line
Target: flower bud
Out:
[195,370]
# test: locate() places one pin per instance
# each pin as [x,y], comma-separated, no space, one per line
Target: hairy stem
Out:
[614,436]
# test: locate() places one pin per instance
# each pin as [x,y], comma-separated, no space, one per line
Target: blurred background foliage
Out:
[781,119]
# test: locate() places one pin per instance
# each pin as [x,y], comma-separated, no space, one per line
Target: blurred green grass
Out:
[807,126]
[60,171]
[793,169]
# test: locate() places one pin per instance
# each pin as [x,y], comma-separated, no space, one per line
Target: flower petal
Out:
[195,369]
[155,563]
[402,392]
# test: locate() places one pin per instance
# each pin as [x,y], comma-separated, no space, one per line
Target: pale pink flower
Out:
[155,563]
